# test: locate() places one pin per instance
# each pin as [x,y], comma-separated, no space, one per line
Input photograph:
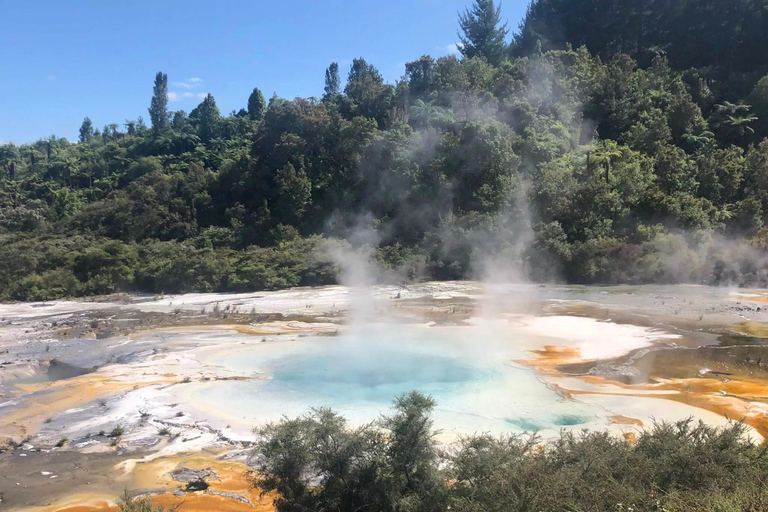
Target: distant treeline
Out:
[608,142]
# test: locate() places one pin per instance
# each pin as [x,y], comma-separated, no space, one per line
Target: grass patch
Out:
[753,329]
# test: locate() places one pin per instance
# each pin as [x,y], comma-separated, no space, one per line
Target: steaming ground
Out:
[132,388]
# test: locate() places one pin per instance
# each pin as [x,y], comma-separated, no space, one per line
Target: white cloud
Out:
[189,83]
[452,48]
[51,78]
[178,96]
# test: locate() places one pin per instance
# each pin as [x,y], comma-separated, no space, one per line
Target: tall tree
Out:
[158,108]
[209,118]
[256,105]
[86,130]
[332,81]
[362,76]
[483,33]
[367,94]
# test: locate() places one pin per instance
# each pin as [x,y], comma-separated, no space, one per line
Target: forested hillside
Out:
[604,142]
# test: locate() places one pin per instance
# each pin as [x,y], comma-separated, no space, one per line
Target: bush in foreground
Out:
[317,462]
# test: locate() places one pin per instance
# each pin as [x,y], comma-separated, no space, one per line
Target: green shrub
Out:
[316,462]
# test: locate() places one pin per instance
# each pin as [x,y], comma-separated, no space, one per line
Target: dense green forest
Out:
[605,141]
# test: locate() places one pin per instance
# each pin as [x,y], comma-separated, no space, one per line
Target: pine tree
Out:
[332,81]
[256,105]
[209,118]
[484,34]
[158,108]
[86,130]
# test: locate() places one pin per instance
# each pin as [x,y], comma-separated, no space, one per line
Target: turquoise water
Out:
[339,373]
[536,425]
[477,386]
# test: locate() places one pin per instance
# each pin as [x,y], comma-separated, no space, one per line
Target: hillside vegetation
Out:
[607,142]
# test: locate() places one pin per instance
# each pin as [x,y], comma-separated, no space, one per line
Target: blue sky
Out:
[62,61]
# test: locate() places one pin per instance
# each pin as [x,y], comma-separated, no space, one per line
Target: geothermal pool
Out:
[188,378]
[474,379]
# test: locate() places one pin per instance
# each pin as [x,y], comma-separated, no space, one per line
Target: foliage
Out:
[317,462]
[209,118]
[332,80]
[694,34]
[256,105]
[158,108]
[484,33]
[631,159]
[86,130]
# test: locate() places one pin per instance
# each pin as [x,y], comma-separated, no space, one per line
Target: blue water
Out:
[477,385]
[538,424]
[376,375]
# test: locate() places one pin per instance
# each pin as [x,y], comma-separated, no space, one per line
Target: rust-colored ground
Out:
[232,477]
[551,357]
[618,419]
[730,399]
[738,397]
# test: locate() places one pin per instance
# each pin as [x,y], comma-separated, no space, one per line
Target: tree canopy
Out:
[585,153]
[692,33]
[482,32]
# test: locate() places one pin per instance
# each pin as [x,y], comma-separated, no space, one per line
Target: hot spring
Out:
[469,371]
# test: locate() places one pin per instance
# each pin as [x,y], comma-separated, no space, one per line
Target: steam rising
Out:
[496,247]
[499,248]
